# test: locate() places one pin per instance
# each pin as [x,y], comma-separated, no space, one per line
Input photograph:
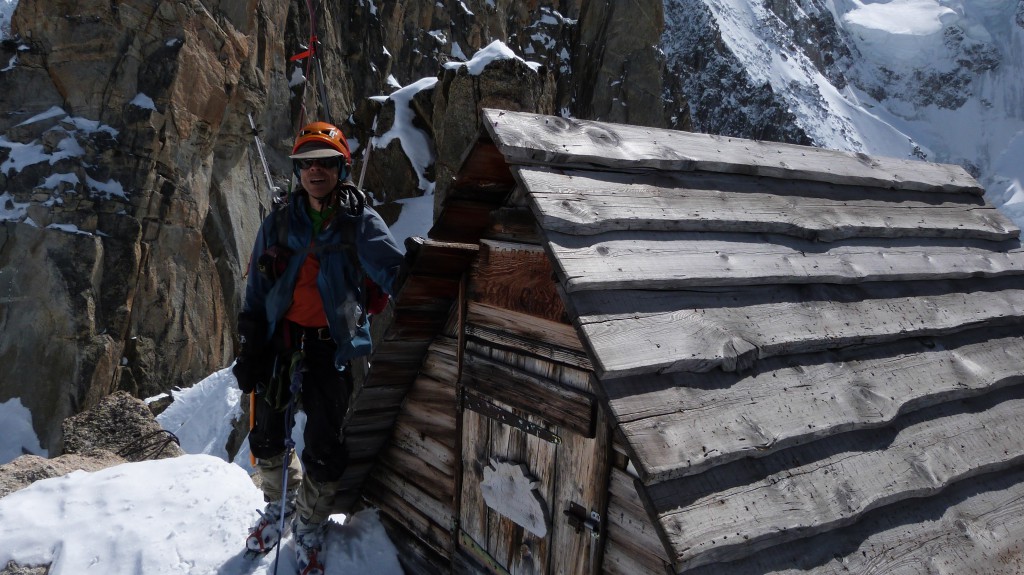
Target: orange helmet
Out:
[321,140]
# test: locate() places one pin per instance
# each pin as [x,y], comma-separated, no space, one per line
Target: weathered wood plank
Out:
[622,487]
[442,369]
[505,443]
[436,420]
[517,277]
[631,539]
[825,486]
[514,224]
[587,203]
[413,325]
[475,450]
[540,553]
[437,453]
[364,446]
[472,559]
[462,221]
[483,335]
[634,535]
[682,424]
[435,506]
[645,551]
[525,326]
[437,392]
[634,332]
[621,561]
[678,260]
[371,422]
[383,396]
[629,527]
[418,551]
[564,373]
[525,138]
[974,526]
[408,516]
[555,404]
[416,471]
[484,169]
[440,259]
[581,471]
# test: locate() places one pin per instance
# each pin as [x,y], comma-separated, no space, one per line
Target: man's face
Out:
[319,176]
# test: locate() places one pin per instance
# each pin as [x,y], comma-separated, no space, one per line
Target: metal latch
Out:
[579,519]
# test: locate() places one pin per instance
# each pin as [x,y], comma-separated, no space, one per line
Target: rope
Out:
[149,446]
[313,64]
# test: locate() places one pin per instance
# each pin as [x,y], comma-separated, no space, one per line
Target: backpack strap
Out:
[352,201]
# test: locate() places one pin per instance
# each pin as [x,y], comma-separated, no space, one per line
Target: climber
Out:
[305,309]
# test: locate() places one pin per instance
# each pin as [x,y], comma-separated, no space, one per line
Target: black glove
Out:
[351,199]
[251,367]
[249,371]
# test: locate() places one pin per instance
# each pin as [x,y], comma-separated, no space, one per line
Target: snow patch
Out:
[107,189]
[496,50]
[6,9]
[53,112]
[11,210]
[204,413]
[143,101]
[907,32]
[16,430]
[69,228]
[415,143]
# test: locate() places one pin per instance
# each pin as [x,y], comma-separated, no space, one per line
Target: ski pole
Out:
[289,443]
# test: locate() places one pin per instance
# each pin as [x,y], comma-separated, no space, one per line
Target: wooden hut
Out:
[631,350]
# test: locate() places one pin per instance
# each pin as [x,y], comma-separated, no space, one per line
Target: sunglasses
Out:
[325,163]
[329,133]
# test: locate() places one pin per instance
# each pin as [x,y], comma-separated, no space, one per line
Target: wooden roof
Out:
[799,346]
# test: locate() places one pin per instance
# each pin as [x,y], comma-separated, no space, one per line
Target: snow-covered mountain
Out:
[940,80]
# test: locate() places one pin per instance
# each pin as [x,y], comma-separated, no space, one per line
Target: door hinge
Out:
[579,519]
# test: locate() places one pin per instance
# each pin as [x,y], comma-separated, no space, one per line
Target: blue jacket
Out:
[340,284]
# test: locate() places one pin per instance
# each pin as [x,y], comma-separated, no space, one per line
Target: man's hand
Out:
[250,366]
[250,371]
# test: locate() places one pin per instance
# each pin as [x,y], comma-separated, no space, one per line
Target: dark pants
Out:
[324,398]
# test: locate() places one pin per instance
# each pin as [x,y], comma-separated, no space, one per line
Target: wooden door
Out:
[534,447]
[520,477]
[532,439]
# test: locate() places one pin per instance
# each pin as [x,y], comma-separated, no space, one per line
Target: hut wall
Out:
[413,483]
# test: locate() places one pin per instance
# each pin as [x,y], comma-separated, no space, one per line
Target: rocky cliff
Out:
[131,190]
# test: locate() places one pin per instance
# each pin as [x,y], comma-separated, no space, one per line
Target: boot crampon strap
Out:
[266,534]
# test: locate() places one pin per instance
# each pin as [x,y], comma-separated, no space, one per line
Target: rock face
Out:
[618,69]
[120,424]
[460,96]
[125,162]
[28,469]
[119,429]
[130,190]
[725,99]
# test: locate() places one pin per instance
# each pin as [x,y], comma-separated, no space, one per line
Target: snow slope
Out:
[188,514]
